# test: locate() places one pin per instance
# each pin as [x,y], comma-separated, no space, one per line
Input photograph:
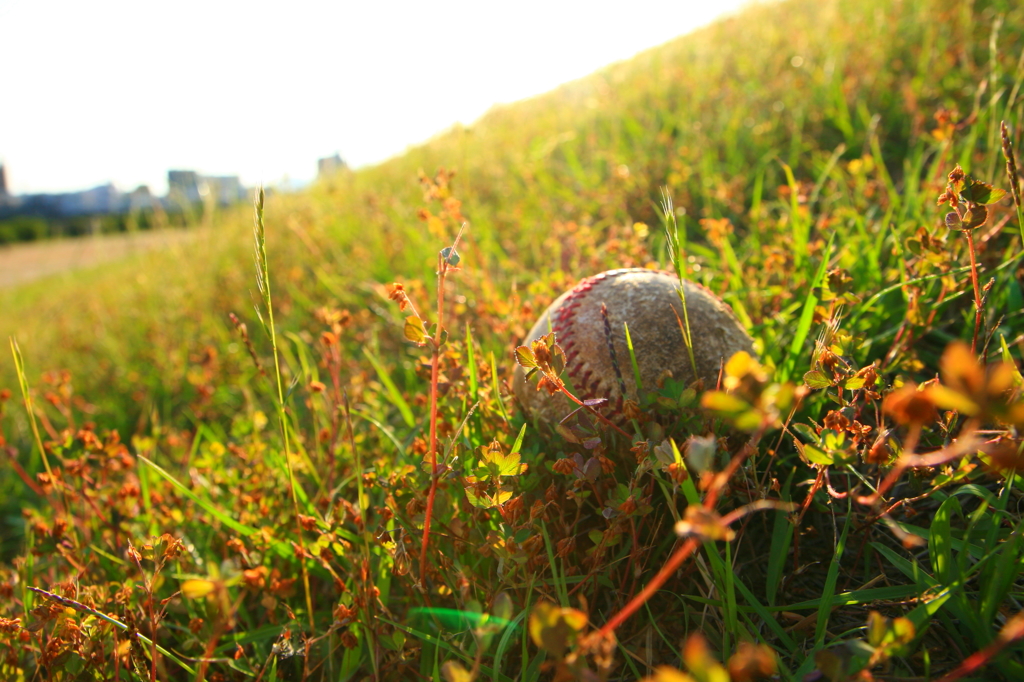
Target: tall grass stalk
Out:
[263,282]
[26,394]
[19,367]
[1011,173]
[675,247]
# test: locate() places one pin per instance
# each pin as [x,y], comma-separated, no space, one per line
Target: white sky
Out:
[102,90]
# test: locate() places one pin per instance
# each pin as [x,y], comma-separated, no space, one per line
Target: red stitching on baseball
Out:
[562,326]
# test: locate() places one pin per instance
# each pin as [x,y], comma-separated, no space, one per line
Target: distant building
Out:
[191,187]
[8,201]
[226,189]
[329,165]
[103,199]
[186,186]
[98,200]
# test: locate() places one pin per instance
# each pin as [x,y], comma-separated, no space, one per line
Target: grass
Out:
[356,494]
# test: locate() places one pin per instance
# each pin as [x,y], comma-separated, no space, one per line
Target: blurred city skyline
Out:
[122,92]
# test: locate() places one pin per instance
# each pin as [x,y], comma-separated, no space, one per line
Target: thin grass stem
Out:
[263,281]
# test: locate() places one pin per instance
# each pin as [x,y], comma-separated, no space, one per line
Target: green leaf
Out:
[508,465]
[724,403]
[749,421]
[953,221]
[526,357]
[450,255]
[557,360]
[975,218]
[854,383]
[415,331]
[816,456]
[808,433]
[815,379]
[395,641]
[443,336]
[982,193]
[503,495]
[479,501]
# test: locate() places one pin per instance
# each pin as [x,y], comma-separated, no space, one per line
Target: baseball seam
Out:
[581,375]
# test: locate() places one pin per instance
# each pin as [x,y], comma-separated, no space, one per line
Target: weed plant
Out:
[206,478]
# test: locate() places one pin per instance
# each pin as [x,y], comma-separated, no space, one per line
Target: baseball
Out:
[597,358]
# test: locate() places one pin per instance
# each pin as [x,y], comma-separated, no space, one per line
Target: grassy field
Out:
[22,263]
[221,467]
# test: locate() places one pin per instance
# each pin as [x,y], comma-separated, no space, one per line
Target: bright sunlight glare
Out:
[119,91]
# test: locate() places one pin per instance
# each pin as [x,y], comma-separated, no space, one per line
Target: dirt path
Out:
[21,263]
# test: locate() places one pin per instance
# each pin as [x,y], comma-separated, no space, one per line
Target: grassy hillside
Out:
[803,145]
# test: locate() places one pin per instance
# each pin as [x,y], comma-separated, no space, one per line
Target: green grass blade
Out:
[799,228]
[940,546]
[19,366]
[209,506]
[474,383]
[388,433]
[828,592]
[892,593]
[782,537]
[505,641]
[803,327]
[394,395]
[497,393]
[442,645]
[519,440]
[632,361]
[557,578]
[911,570]
[765,616]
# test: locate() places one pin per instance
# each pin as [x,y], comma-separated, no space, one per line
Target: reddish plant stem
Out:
[684,552]
[670,567]
[966,443]
[442,270]
[435,362]
[977,290]
[1010,633]
[604,420]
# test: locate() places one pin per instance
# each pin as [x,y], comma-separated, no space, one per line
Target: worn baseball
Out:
[597,358]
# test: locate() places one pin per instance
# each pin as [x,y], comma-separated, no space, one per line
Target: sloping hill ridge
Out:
[709,118]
